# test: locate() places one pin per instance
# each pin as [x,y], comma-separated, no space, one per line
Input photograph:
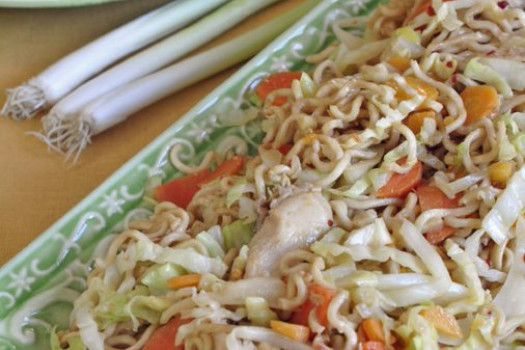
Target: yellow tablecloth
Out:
[36,186]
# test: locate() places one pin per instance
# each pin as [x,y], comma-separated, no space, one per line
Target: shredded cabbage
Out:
[440,283]
[519,143]
[236,192]
[511,70]
[237,234]
[478,71]
[476,296]
[187,258]
[477,340]
[408,34]
[258,311]
[88,329]
[508,207]
[212,242]
[235,293]
[374,234]
[509,298]
[156,277]
[335,235]
[308,86]
[506,150]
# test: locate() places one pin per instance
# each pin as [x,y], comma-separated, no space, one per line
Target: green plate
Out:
[51,3]
[38,286]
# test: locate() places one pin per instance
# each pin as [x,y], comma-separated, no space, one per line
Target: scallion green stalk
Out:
[68,73]
[118,105]
[50,3]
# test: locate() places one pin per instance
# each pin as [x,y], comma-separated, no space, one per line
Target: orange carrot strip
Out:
[443,321]
[276,81]
[439,235]
[372,345]
[325,296]
[373,329]
[229,167]
[415,119]
[292,331]
[164,337]
[431,197]
[190,280]
[399,185]
[180,191]
[400,63]
[300,315]
[480,102]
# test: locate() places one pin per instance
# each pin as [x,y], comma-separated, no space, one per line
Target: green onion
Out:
[62,77]
[74,134]
[50,3]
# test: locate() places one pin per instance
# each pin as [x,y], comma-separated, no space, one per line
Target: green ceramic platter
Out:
[38,286]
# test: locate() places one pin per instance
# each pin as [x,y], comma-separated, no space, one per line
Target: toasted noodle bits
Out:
[383,208]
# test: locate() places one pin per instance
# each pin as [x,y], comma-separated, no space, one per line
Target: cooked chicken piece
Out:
[295,223]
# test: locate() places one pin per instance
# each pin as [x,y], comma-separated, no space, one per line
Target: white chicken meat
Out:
[295,223]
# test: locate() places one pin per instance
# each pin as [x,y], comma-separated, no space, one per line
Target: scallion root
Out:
[66,136]
[24,101]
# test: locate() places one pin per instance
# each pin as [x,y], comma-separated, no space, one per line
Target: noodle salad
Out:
[383,210]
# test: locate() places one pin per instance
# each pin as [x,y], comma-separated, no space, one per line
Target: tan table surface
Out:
[37,187]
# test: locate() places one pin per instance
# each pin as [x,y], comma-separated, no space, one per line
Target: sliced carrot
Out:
[284,149]
[431,197]
[324,297]
[229,167]
[372,345]
[180,191]
[439,235]
[191,280]
[164,337]
[479,101]
[415,119]
[443,321]
[292,331]
[373,329]
[320,298]
[399,185]
[300,315]
[421,87]
[276,81]
[361,334]
[400,63]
